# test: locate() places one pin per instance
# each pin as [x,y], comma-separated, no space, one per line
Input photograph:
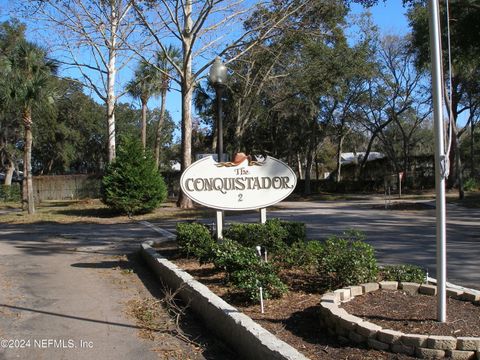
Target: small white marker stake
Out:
[266,258]
[259,251]
[261,300]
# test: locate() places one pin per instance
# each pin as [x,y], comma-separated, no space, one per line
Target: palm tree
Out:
[166,68]
[145,84]
[29,86]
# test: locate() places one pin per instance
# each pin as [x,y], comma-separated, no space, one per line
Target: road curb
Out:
[250,340]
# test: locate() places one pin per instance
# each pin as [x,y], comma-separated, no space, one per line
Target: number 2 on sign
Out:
[240,197]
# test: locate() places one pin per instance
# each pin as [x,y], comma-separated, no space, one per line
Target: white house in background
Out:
[350,157]
[175,165]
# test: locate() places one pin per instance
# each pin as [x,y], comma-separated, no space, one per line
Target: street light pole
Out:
[219,93]
[218,78]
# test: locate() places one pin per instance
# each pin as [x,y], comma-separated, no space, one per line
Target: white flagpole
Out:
[440,159]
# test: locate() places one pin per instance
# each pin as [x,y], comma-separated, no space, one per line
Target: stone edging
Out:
[344,325]
[248,338]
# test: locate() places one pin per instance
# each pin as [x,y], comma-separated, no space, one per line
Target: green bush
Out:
[296,231]
[195,239]
[250,279]
[470,184]
[275,234]
[11,193]
[304,254]
[246,271]
[231,256]
[403,273]
[347,261]
[132,183]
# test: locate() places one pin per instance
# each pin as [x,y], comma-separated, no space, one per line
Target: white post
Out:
[263,215]
[440,159]
[219,225]
[400,185]
[261,300]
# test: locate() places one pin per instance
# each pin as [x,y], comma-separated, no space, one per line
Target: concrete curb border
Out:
[248,338]
[340,323]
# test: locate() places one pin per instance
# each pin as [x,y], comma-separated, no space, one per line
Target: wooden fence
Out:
[63,187]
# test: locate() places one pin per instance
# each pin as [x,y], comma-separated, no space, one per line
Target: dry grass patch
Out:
[94,211]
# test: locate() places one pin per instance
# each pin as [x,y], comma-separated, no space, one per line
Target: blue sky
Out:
[388,15]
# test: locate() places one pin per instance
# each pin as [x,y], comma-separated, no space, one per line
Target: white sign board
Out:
[244,186]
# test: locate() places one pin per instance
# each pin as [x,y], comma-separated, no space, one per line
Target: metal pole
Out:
[440,159]
[219,92]
[220,214]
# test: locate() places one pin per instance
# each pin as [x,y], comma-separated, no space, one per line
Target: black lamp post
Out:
[218,78]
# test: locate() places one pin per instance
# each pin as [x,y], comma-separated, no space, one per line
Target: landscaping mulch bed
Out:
[294,318]
[415,314]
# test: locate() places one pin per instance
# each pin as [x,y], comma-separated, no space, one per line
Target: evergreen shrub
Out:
[194,239]
[296,231]
[275,234]
[132,184]
[303,254]
[347,260]
[247,271]
[404,273]
[10,192]
[470,184]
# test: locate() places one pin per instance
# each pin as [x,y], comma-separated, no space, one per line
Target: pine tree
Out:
[132,183]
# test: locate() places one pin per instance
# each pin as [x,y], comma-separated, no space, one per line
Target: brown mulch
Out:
[415,314]
[294,318]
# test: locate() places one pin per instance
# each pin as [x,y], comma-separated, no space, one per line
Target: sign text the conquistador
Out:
[239,183]
[238,187]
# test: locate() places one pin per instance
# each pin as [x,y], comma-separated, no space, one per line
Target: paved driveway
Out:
[63,295]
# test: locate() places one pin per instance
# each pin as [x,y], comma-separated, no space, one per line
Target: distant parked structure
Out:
[357,157]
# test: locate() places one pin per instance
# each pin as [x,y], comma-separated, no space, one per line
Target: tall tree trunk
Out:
[111,119]
[300,167]
[452,174]
[184,201]
[161,120]
[27,160]
[111,74]
[339,158]
[144,123]
[472,147]
[9,172]
[308,171]
[238,129]
[363,164]
[458,169]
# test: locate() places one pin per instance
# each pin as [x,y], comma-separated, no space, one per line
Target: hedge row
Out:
[337,262]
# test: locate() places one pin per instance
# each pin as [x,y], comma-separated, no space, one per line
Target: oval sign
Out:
[244,186]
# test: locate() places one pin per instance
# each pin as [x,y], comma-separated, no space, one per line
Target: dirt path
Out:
[66,292]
